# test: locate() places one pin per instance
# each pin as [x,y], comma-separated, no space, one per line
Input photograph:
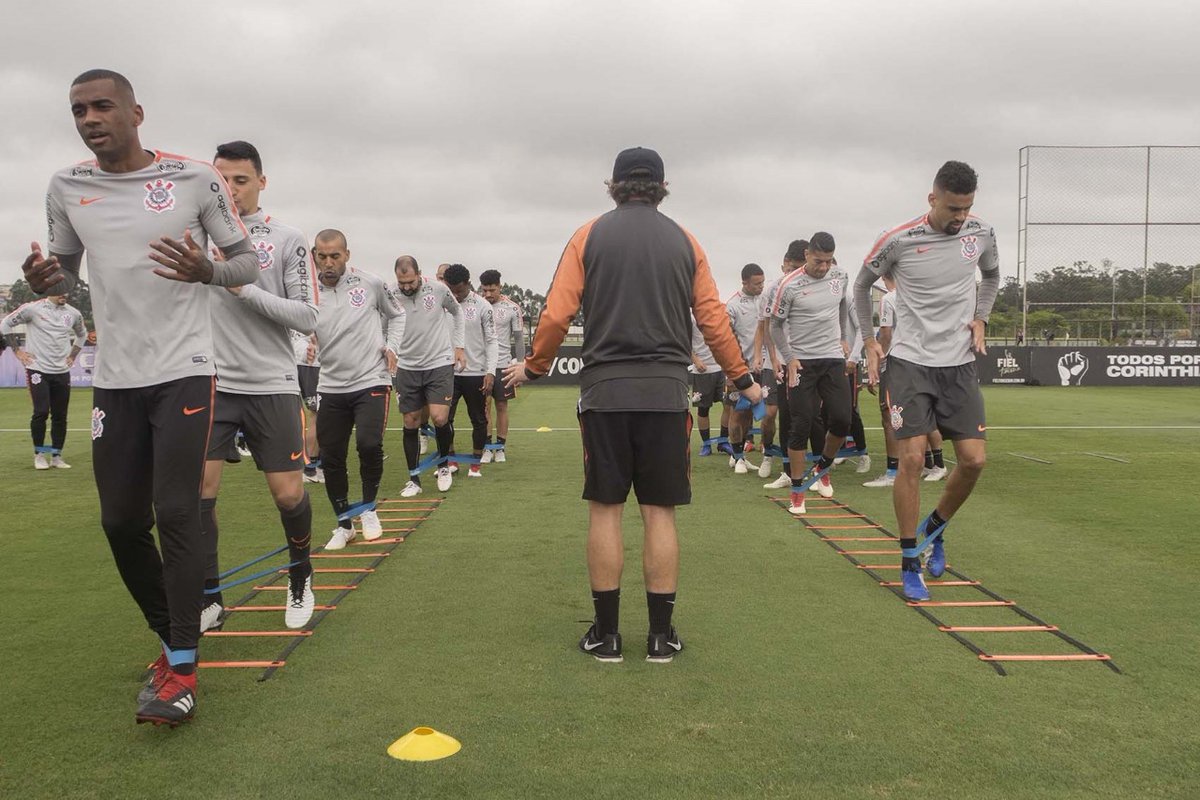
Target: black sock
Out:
[608,610]
[787,465]
[705,434]
[487,440]
[893,464]
[824,463]
[297,530]
[445,438]
[938,461]
[724,431]
[935,522]
[501,440]
[661,606]
[928,459]
[184,669]
[907,563]
[208,530]
[739,449]
[341,506]
[412,447]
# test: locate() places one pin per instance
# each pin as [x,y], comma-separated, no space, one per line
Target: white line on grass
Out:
[1031,458]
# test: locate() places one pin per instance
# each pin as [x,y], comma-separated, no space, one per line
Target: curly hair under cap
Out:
[624,191]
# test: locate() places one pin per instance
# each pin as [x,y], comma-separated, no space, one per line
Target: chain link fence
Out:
[1108,249]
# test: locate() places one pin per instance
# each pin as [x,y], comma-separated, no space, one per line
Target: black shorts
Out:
[708,389]
[417,388]
[273,425]
[922,399]
[648,450]
[307,376]
[501,392]
[770,384]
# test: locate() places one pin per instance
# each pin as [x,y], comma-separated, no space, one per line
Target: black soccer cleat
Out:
[602,648]
[173,704]
[662,647]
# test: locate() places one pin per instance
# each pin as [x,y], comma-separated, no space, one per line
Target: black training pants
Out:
[365,412]
[822,388]
[148,451]
[51,393]
[470,388]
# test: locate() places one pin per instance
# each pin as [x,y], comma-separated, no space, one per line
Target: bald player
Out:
[355,383]
[941,317]
[154,380]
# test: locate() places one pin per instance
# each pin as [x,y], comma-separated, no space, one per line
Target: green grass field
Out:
[801,678]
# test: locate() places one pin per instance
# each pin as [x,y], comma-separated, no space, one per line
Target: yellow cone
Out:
[424,744]
[544,429]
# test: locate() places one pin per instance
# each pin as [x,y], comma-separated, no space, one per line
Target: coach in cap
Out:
[639,277]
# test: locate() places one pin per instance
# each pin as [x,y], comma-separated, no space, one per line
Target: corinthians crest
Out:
[266,254]
[158,196]
[970,247]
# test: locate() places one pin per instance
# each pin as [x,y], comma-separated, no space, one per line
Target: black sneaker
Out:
[602,648]
[662,647]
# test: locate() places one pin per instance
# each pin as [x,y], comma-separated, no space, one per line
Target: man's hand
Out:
[845,348]
[460,359]
[184,261]
[391,360]
[310,353]
[698,364]
[756,364]
[515,375]
[793,373]
[25,357]
[70,360]
[488,381]
[754,393]
[874,356]
[978,334]
[40,272]
[851,367]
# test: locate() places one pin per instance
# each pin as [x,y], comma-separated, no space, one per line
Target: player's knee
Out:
[41,416]
[911,461]
[972,462]
[288,497]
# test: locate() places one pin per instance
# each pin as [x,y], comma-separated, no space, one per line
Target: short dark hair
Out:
[489,277]
[240,151]
[956,177]
[822,242]
[104,75]
[750,270]
[796,250]
[332,234]
[456,274]
[637,189]
[406,263]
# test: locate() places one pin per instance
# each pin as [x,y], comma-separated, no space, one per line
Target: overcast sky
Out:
[482,132]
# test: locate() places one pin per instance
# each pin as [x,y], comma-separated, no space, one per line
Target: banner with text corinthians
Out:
[1090,366]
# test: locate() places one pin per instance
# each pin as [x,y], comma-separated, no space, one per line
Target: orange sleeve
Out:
[562,304]
[712,319]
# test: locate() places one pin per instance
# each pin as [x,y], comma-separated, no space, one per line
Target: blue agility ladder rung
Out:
[251,562]
[355,510]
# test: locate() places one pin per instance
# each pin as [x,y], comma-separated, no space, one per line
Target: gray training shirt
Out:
[702,351]
[251,331]
[817,313]
[510,332]
[49,329]
[743,316]
[149,329]
[479,336]
[434,326]
[350,333]
[936,299]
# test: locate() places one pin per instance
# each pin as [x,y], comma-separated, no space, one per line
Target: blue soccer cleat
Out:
[935,561]
[706,450]
[914,584]
[726,448]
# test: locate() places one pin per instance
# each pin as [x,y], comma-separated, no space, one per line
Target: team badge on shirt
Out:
[970,247]
[358,297]
[835,286]
[428,301]
[158,196]
[97,423]
[266,255]
[469,310]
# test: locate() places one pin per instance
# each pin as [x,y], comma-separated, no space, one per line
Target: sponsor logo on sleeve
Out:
[358,297]
[223,207]
[170,165]
[970,247]
[159,196]
[260,230]
[266,254]
[83,172]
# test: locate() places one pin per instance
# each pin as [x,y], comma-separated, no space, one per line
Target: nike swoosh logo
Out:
[922,249]
[982,428]
[376,394]
[296,456]
[87,201]
[590,646]
[447,399]
[187,412]
[677,647]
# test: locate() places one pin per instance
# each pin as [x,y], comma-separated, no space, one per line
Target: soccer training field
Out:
[801,678]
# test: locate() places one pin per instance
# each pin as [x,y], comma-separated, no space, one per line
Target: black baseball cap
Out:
[638,162]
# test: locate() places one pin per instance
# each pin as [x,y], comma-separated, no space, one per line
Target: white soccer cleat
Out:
[244,451]
[300,605]
[40,462]
[486,458]
[796,508]
[452,466]
[500,458]
[839,461]
[411,489]
[372,528]
[937,474]
[884,480]
[782,482]
[58,463]
[445,479]
[824,487]
[741,468]
[926,472]
[764,469]
[732,462]
[864,464]
[209,616]
[317,477]
[474,472]
[340,538]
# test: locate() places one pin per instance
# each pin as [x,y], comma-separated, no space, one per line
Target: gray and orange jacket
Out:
[639,277]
